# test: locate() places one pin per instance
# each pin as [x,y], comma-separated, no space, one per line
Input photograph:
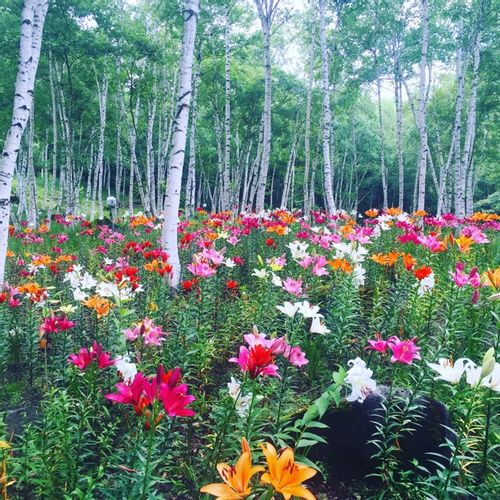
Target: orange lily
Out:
[373,212]
[99,305]
[394,211]
[492,278]
[236,478]
[409,261]
[464,243]
[285,475]
[340,264]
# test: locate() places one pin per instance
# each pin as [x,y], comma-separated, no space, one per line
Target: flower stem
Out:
[250,411]
[280,401]
[145,484]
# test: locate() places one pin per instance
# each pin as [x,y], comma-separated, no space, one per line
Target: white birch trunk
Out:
[174,181]
[470,133]
[102,96]
[54,137]
[307,135]
[422,101]
[226,194]
[327,114]
[399,137]
[383,169]
[150,157]
[266,10]
[189,204]
[455,147]
[33,19]
[31,181]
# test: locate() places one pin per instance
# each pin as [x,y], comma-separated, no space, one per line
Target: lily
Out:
[288,309]
[449,371]
[236,478]
[285,475]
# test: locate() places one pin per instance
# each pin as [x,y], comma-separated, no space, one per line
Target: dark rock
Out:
[349,452]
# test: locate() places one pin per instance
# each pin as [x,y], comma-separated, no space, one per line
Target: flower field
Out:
[330,358]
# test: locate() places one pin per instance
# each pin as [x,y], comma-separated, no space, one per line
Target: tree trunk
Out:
[466,169]
[174,182]
[150,157]
[190,200]
[102,95]
[226,194]
[422,101]
[266,10]
[33,18]
[399,136]
[327,114]
[54,137]
[31,180]
[383,169]
[307,136]
[455,147]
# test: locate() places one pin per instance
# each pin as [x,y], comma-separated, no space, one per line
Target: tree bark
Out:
[307,135]
[102,90]
[226,194]
[399,136]
[54,137]
[190,200]
[466,169]
[174,182]
[383,168]
[266,10]
[422,101]
[455,147]
[327,114]
[32,21]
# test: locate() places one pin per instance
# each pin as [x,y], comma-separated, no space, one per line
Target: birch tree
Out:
[226,192]
[327,113]
[266,10]
[102,90]
[174,180]
[32,22]
[307,134]
[422,101]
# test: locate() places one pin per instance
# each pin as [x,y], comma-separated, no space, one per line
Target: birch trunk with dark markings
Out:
[327,114]
[266,10]
[422,101]
[32,21]
[174,181]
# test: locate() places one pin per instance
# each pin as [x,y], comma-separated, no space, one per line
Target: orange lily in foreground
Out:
[285,475]
[235,478]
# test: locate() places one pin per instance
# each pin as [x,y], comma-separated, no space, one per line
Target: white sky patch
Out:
[86,23]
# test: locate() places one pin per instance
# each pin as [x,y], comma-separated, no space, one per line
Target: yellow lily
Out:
[236,478]
[285,475]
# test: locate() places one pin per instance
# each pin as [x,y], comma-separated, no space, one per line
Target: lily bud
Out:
[487,368]
[490,353]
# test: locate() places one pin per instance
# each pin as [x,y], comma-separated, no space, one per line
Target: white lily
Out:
[276,280]
[288,309]
[449,371]
[359,377]
[307,310]
[260,273]
[127,369]
[318,327]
